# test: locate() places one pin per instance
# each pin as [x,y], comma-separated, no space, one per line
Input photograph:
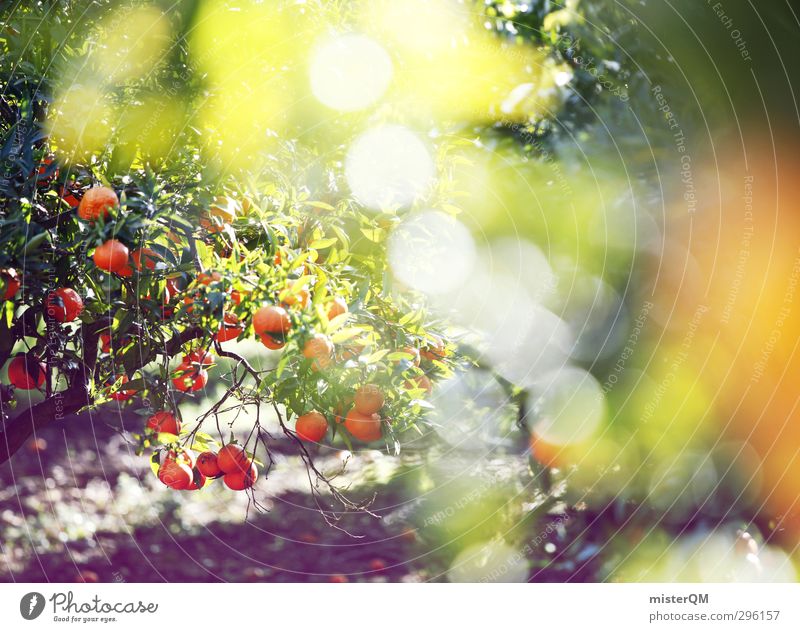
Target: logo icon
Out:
[31,605]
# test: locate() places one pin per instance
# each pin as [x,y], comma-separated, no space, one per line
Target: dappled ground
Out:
[85,504]
[78,503]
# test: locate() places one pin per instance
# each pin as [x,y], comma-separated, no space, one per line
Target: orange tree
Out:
[123,288]
[123,285]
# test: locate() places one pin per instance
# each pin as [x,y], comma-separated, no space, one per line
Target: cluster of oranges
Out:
[179,469]
[280,320]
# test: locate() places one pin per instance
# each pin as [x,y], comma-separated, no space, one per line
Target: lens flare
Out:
[389,166]
[432,252]
[489,562]
[350,72]
[569,408]
[471,411]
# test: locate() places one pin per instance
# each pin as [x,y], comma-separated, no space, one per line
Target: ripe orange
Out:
[420,381]
[121,394]
[198,480]
[189,378]
[336,308]
[435,350]
[413,352]
[10,282]
[145,258]
[239,481]
[340,410]
[111,256]
[236,296]
[69,197]
[63,305]
[319,348]
[230,329]
[233,458]
[207,278]
[271,343]
[271,320]
[368,399]
[175,475]
[207,464]
[97,202]
[164,421]
[200,357]
[365,428]
[26,372]
[183,456]
[296,297]
[311,427]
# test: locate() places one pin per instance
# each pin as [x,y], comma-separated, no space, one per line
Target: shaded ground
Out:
[84,504]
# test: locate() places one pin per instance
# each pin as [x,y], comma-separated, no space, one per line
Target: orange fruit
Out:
[299,298]
[230,329]
[26,372]
[189,378]
[175,475]
[97,202]
[311,427]
[271,320]
[336,308]
[363,427]
[368,399]
[164,421]
[63,305]
[11,283]
[420,381]
[199,357]
[319,349]
[239,481]
[145,257]
[198,480]
[435,350]
[271,343]
[112,256]
[233,458]
[121,394]
[413,352]
[207,464]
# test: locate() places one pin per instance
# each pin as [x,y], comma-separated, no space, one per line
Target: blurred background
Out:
[598,198]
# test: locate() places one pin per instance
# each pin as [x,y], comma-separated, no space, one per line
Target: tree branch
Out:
[77,395]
